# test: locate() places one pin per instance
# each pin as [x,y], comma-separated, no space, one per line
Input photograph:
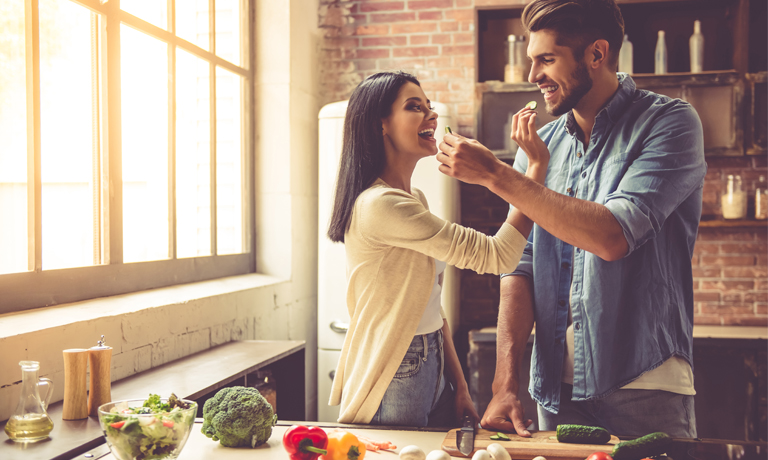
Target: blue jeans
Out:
[627,412]
[419,394]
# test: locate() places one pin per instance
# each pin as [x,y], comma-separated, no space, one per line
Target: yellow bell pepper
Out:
[343,445]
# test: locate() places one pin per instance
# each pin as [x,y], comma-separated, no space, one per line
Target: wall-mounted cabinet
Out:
[730,95]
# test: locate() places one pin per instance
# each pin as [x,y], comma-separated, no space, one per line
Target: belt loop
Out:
[426,347]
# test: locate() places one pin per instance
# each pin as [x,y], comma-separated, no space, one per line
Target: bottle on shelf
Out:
[734,199]
[625,56]
[660,56]
[761,199]
[696,45]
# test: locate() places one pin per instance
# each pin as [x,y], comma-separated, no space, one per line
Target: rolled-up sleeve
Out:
[667,170]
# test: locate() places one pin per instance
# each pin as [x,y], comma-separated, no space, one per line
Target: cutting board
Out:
[542,443]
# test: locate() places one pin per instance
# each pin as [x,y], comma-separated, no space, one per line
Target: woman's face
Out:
[410,127]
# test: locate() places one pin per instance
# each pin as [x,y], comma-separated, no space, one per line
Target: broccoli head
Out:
[238,417]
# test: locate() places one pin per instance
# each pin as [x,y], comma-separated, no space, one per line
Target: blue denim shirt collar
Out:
[613,109]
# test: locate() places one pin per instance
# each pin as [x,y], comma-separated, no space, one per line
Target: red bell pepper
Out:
[305,443]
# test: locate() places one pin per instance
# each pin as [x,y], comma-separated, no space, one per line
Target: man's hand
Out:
[524,133]
[467,160]
[505,413]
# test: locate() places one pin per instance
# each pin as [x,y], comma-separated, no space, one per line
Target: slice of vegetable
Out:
[500,437]
[448,130]
[168,423]
[117,425]
[532,105]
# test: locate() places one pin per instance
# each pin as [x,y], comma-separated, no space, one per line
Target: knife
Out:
[465,437]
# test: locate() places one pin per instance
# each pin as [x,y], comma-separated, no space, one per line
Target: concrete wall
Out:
[151,328]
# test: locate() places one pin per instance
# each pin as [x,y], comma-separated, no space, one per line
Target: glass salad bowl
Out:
[150,429]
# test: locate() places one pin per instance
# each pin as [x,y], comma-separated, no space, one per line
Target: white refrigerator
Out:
[332,318]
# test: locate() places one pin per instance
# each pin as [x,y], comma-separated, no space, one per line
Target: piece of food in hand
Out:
[500,437]
[438,455]
[343,445]
[238,417]
[600,456]
[448,130]
[582,434]
[532,105]
[481,454]
[305,443]
[412,453]
[375,446]
[645,446]
[498,452]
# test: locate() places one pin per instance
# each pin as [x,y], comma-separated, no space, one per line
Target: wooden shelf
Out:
[733,223]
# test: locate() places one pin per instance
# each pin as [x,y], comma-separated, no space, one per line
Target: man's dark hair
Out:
[362,151]
[578,24]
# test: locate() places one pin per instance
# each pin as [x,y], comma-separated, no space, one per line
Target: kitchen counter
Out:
[199,447]
[193,377]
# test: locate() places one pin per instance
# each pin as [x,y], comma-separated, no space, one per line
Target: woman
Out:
[391,369]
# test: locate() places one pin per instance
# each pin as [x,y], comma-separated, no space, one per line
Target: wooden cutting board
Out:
[542,443]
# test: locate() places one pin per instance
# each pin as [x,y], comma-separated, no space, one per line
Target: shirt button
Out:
[578,154]
[570,191]
[577,326]
[561,303]
[565,265]
[584,174]
[578,250]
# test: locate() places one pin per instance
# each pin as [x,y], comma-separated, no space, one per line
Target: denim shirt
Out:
[645,163]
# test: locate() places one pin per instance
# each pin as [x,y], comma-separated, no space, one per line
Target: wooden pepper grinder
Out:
[99,360]
[75,395]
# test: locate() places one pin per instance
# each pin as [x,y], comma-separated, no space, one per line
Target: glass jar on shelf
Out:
[734,199]
[761,199]
[517,68]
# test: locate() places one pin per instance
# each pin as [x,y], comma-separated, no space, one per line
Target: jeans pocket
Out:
[409,366]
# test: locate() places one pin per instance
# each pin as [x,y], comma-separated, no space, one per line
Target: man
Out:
[607,272]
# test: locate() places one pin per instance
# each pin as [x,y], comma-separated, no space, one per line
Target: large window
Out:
[126,157]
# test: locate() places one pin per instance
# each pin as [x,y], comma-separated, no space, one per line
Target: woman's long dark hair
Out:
[362,151]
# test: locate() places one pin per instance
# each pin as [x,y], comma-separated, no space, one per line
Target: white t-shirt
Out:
[432,320]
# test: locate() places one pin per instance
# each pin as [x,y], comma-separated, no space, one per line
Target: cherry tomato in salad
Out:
[117,425]
[600,456]
[168,423]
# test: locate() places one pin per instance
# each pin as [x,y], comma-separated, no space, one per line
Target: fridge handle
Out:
[338,326]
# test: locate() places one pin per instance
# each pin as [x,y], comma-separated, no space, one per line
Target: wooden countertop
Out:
[190,378]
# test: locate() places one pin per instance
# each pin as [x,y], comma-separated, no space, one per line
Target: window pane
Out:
[193,156]
[13,148]
[144,80]
[192,22]
[228,33]
[68,133]
[229,167]
[152,11]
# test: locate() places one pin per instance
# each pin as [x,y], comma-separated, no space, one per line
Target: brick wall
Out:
[435,40]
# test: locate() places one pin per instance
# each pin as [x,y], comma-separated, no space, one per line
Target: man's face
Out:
[562,79]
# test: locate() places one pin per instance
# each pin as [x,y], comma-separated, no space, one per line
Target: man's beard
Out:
[572,96]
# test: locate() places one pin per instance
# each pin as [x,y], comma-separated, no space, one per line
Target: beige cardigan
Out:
[391,245]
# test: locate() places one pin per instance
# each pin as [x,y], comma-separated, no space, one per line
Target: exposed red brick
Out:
[461,37]
[733,298]
[438,62]
[381,6]
[344,43]
[704,247]
[467,62]
[727,286]
[411,51]
[745,272]
[419,39]
[450,73]
[441,39]
[430,15]
[449,26]
[722,234]
[464,14]
[414,27]
[372,53]
[458,50]
[382,29]
[427,4]
[366,64]
[728,260]
[706,296]
[464,3]
[385,41]
[430,86]
[743,248]
[756,296]
[738,320]
[467,26]
[393,17]
[761,309]
[359,18]
[708,320]
[727,309]
[462,85]
[425,75]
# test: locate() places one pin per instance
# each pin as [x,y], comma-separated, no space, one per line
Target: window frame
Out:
[39,288]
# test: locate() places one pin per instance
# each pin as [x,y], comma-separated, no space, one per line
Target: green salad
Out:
[149,432]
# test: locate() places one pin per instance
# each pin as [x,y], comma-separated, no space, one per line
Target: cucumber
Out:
[581,434]
[646,446]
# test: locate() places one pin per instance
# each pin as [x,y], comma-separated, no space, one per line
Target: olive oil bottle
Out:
[30,422]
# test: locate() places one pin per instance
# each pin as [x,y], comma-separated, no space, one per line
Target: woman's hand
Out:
[524,133]
[464,406]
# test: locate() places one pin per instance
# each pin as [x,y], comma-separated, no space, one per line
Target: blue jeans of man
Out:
[419,394]
[626,412]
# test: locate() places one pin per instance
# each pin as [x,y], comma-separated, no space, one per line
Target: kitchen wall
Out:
[151,328]
[435,40]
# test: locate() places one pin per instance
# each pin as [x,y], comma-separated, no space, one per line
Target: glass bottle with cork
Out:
[734,199]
